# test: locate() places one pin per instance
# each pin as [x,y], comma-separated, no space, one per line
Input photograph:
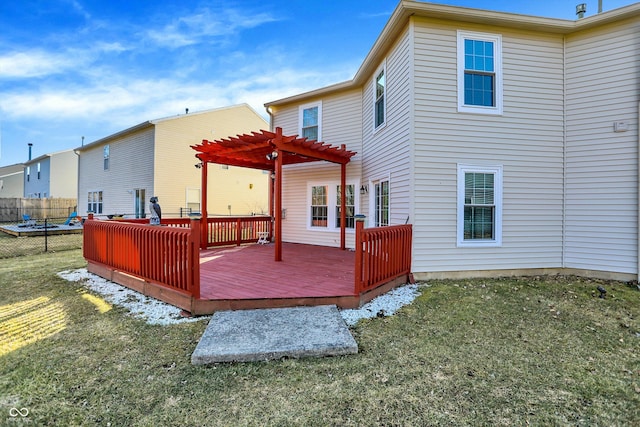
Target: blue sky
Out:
[74,68]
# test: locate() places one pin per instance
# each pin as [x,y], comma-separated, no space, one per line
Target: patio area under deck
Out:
[246,277]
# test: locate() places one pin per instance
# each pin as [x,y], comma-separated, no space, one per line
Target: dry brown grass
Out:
[539,351]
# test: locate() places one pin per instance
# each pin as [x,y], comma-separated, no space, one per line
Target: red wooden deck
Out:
[250,272]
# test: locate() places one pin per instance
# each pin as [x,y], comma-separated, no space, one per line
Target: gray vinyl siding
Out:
[387,150]
[603,74]
[130,166]
[527,141]
[341,119]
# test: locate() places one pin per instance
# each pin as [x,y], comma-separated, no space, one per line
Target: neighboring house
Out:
[53,175]
[510,142]
[12,181]
[120,173]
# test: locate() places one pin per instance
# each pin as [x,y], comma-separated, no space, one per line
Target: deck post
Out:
[359,255]
[203,208]
[343,204]
[194,267]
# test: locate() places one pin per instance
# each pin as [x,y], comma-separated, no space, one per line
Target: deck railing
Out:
[382,254]
[222,231]
[167,256]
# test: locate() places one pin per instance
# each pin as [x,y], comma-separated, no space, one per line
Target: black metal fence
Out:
[29,237]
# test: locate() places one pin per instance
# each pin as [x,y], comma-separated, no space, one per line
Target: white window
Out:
[105,154]
[94,202]
[380,97]
[324,205]
[479,206]
[139,199]
[28,173]
[350,206]
[310,120]
[381,203]
[479,73]
[38,167]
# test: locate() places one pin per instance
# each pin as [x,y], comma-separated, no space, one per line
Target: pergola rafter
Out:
[268,150]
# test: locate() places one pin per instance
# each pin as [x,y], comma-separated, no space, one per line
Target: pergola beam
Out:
[271,151]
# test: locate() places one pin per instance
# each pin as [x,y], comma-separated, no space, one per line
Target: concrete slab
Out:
[266,334]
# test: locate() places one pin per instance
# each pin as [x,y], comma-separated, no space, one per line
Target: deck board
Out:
[250,272]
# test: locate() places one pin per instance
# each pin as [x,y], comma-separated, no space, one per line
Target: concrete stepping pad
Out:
[267,334]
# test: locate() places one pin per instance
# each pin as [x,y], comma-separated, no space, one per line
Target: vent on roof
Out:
[581,9]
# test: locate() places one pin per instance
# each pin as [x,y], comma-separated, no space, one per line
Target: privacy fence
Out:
[13,209]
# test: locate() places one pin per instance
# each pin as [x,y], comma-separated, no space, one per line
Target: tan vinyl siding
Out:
[387,150]
[603,72]
[341,119]
[175,160]
[130,166]
[63,179]
[527,141]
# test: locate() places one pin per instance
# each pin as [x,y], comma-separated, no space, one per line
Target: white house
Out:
[510,142]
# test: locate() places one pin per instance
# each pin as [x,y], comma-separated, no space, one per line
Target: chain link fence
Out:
[29,237]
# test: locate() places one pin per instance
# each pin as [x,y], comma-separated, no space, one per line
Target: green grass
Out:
[520,351]
[12,246]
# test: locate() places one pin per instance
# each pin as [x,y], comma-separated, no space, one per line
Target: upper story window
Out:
[38,167]
[380,110]
[479,205]
[479,73]
[310,121]
[105,154]
[28,173]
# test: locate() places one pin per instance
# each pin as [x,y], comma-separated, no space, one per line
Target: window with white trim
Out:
[28,173]
[380,97]
[94,200]
[324,205]
[350,206]
[381,203]
[105,155]
[38,167]
[319,207]
[310,120]
[479,205]
[479,73]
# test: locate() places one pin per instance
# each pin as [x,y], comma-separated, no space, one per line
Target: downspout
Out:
[638,209]
[78,181]
[564,150]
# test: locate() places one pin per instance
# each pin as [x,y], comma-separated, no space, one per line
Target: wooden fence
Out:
[12,209]
[382,254]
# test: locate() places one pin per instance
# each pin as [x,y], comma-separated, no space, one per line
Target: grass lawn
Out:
[517,351]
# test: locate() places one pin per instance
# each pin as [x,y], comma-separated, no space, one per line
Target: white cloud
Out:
[204,25]
[35,63]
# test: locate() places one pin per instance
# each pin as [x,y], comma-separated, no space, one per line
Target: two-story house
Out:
[52,175]
[119,174]
[12,181]
[510,142]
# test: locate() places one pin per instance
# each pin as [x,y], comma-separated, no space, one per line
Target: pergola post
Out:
[278,206]
[203,208]
[343,204]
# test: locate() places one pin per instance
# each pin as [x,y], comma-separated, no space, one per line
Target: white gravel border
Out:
[384,305]
[156,312]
